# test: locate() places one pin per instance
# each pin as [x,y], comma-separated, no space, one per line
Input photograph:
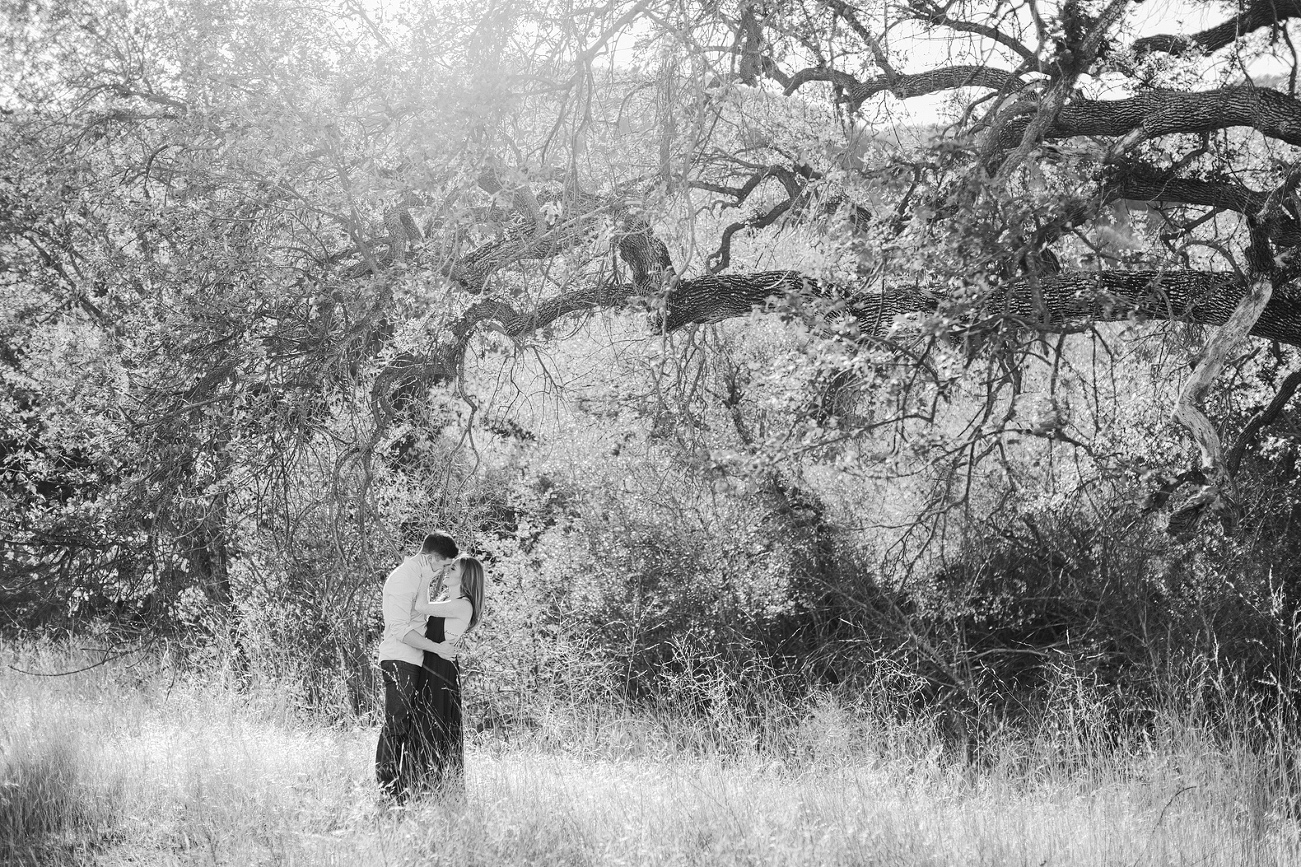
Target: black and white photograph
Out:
[569,433]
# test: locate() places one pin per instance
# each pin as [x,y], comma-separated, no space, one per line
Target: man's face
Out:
[438,564]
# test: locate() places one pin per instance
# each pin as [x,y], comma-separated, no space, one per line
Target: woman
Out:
[439,737]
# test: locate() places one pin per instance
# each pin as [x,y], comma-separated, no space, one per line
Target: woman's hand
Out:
[429,584]
[426,582]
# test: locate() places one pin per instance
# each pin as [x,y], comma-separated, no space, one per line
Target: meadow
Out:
[139,761]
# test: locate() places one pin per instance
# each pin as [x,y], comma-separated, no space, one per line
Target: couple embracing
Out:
[430,601]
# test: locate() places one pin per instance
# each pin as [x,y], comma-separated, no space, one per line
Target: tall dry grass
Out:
[138,763]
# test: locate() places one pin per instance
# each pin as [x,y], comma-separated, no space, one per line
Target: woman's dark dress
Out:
[439,738]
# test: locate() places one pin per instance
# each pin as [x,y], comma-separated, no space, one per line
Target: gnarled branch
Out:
[1148,184]
[1162,112]
[1050,302]
[1219,495]
[1260,13]
[908,86]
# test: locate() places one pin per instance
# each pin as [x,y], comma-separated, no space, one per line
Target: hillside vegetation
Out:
[138,762]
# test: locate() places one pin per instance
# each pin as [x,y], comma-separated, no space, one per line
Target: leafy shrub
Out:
[1093,595]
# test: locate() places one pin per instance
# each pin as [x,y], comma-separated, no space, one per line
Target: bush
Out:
[1109,601]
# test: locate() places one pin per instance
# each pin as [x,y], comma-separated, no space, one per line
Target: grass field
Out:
[130,764]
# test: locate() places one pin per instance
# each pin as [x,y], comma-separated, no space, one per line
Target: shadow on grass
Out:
[56,803]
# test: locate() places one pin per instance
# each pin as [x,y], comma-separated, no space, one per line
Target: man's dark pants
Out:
[393,755]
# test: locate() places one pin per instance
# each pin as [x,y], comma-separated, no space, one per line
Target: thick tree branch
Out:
[1144,183]
[908,86]
[472,271]
[1051,302]
[652,274]
[647,258]
[506,319]
[1163,112]
[1258,14]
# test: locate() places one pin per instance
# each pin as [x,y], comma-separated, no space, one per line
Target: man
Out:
[399,664]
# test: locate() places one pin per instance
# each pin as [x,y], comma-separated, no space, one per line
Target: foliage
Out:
[731,375]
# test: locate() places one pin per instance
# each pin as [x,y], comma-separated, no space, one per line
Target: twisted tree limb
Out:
[1257,14]
[652,275]
[1052,302]
[908,86]
[1144,183]
[1162,112]
[471,272]
[1219,495]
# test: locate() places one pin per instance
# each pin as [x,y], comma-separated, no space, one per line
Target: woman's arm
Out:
[423,594]
[447,650]
[451,608]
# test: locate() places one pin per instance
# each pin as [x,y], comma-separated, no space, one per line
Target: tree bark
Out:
[910,85]
[1150,185]
[1257,14]
[1219,495]
[1051,302]
[1162,112]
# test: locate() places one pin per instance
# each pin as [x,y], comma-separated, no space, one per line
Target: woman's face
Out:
[452,577]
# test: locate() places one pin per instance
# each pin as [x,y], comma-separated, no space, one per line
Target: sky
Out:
[1143,19]
[1175,16]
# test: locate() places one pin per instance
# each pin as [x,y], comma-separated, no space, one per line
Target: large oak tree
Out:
[1058,121]
[261,208]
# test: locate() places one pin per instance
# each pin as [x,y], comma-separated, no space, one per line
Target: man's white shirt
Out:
[400,616]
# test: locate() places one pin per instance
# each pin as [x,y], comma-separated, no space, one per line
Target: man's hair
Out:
[441,544]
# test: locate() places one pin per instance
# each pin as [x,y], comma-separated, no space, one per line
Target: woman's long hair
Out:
[472,587]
